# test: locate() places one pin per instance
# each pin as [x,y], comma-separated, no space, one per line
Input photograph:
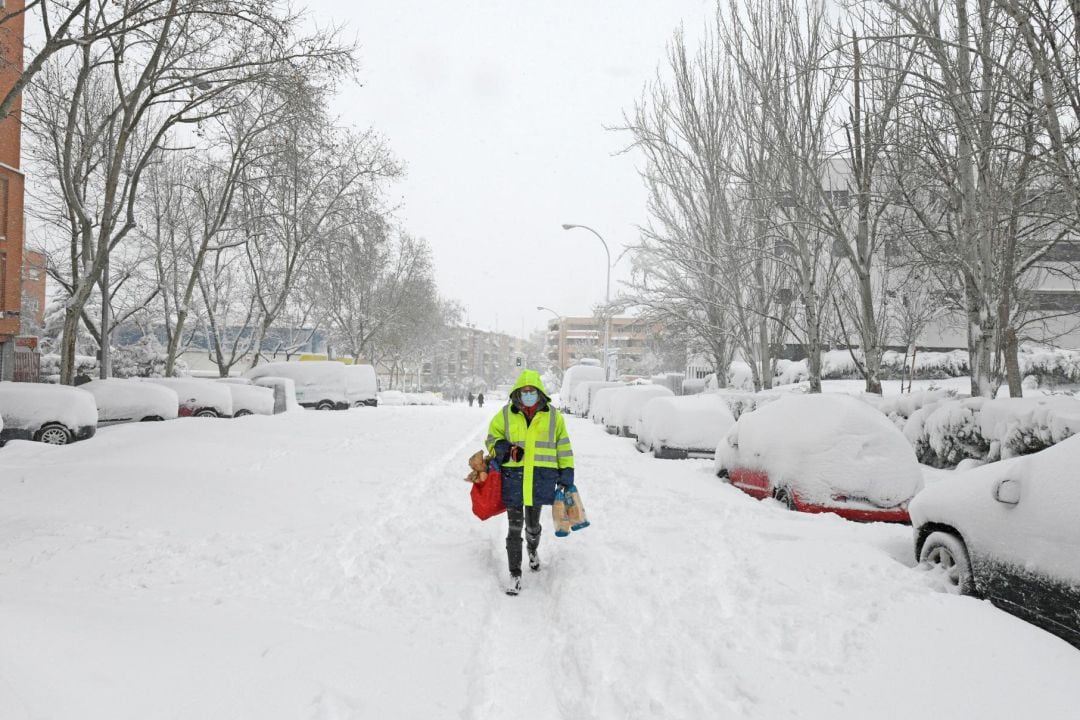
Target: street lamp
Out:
[607,292]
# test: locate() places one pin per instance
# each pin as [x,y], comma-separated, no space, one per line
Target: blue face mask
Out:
[528,399]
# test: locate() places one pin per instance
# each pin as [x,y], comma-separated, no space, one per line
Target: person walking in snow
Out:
[527,437]
[480,399]
[469,397]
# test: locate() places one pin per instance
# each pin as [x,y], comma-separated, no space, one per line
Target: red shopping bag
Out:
[487,496]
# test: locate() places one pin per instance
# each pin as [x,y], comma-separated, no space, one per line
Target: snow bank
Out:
[28,406]
[130,400]
[693,423]
[822,445]
[317,381]
[198,395]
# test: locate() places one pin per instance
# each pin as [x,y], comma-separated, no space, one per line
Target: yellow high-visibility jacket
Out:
[549,458]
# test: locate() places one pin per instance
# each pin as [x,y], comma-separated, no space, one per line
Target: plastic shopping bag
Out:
[560,515]
[487,495]
[575,509]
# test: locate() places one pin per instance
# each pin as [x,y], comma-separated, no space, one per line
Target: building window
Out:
[1064,251]
[1055,301]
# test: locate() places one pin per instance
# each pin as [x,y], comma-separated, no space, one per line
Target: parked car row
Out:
[1008,531]
[324,384]
[59,414]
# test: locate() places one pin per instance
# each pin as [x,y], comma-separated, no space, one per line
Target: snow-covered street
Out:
[325,565]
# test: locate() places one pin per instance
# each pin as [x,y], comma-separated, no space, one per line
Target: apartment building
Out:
[468,358]
[570,339]
[11,188]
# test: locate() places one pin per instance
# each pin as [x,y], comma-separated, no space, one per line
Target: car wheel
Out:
[945,555]
[152,418]
[325,405]
[241,413]
[786,497]
[53,434]
[207,412]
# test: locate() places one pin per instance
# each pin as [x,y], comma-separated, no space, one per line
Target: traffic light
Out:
[517,361]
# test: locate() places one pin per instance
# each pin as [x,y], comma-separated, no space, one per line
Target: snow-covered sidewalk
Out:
[326,565]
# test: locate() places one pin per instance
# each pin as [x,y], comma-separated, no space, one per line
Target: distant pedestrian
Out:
[469,397]
[480,400]
[528,439]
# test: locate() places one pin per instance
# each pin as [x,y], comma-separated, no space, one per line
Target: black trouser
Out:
[529,517]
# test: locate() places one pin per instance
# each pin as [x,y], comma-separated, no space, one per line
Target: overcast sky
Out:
[498,109]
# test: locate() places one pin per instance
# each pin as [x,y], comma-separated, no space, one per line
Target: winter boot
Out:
[534,560]
[514,586]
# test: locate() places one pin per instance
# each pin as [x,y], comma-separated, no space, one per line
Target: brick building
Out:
[570,339]
[11,188]
[32,312]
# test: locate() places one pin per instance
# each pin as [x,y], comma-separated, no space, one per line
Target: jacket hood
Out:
[530,377]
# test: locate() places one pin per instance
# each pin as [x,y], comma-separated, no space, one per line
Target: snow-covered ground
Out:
[326,566]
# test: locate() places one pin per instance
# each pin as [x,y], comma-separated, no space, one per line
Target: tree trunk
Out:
[766,355]
[1012,364]
[67,345]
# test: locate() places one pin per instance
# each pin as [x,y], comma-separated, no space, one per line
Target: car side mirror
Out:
[1007,491]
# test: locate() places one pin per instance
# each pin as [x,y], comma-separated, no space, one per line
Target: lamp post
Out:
[607,292]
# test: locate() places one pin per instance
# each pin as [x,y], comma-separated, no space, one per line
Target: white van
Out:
[320,384]
[361,387]
[585,371]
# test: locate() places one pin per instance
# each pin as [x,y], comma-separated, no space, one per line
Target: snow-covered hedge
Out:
[84,365]
[946,432]
[1043,364]
[743,402]
[900,408]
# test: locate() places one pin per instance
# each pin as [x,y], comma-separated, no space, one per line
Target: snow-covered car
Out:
[683,426]
[120,401]
[585,371]
[320,384]
[250,399]
[52,414]
[392,397]
[284,392]
[584,392]
[422,398]
[1010,532]
[623,414]
[822,453]
[361,386]
[600,407]
[198,398]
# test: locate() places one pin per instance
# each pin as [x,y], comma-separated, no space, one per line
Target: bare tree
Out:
[113,102]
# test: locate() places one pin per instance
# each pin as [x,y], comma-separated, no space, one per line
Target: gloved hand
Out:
[517,453]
